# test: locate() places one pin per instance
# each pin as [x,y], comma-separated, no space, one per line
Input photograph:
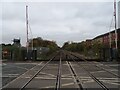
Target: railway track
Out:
[75,76]
[58,79]
[35,75]
[97,65]
[91,75]
[59,72]
[27,82]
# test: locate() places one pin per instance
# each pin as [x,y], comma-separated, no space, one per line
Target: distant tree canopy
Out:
[84,48]
[39,42]
[66,44]
[16,51]
[12,49]
[75,47]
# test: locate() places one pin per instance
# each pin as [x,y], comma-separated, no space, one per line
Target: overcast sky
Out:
[58,21]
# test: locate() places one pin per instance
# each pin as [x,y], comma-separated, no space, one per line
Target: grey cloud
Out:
[57,21]
[13,11]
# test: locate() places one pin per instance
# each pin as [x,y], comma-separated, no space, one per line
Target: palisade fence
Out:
[19,53]
[109,54]
[30,55]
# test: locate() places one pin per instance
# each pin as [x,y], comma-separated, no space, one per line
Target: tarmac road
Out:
[10,71]
[47,77]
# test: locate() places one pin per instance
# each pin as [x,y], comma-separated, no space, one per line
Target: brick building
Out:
[88,42]
[104,39]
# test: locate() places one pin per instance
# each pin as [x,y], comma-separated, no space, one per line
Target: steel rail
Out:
[92,76]
[58,79]
[98,66]
[75,76]
[37,73]
[21,75]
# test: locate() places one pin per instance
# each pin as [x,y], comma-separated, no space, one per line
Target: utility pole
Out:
[116,36]
[27,27]
[110,50]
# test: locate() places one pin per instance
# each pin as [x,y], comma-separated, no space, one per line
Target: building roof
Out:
[118,31]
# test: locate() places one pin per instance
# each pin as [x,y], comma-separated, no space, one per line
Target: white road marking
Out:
[18,67]
[10,75]
[68,75]
[114,65]
[48,74]
[98,71]
[67,84]
[109,78]
[111,82]
[50,78]
[63,85]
